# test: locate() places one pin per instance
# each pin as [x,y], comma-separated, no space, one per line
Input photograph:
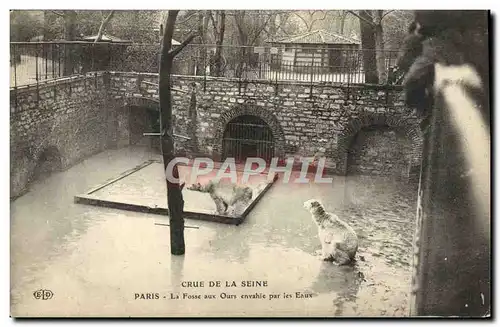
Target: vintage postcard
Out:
[249,163]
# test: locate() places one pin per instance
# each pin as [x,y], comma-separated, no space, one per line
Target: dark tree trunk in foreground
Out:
[174,189]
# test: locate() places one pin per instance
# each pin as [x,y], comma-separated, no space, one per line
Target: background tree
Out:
[372,42]
[395,28]
[367,29]
[218,19]
[138,26]
[281,25]
[249,28]
[25,24]
[103,26]
[333,21]
[203,20]
[310,17]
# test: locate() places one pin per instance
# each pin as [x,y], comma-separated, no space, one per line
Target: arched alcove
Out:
[247,136]
[379,150]
[263,116]
[144,117]
[379,124]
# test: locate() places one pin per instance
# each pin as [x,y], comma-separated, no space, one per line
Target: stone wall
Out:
[70,117]
[305,120]
[84,115]
[379,150]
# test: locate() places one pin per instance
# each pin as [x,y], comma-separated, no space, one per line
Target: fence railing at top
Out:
[33,62]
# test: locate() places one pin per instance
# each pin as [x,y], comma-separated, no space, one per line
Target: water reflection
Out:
[176,268]
[344,281]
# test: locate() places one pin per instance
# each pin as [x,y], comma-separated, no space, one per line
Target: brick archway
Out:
[409,127]
[265,115]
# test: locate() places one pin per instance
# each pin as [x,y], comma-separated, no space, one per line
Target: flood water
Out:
[102,262]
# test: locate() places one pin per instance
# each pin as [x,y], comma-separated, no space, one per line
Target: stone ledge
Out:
[54,82]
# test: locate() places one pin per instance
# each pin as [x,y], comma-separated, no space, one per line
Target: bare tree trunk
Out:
[103,26]
[69,35]
[174,188]
[379,45]
[368,47]
[342,21]
[202,31]
[48,20]
[272,27]
[239,19]
[221,22]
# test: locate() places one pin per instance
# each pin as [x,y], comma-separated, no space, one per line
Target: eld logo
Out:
[43,294]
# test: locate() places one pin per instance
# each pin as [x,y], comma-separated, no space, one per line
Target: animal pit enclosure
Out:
[143,189]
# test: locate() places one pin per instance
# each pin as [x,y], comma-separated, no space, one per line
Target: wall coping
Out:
[54,82]
[89,75]
[268,82]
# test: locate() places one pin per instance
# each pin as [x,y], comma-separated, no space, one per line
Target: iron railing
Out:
[32,62]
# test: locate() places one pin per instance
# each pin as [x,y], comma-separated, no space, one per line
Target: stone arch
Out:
[143,115]
[265,115]
[409,127]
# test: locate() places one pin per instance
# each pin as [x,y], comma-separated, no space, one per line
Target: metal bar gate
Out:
[247,136]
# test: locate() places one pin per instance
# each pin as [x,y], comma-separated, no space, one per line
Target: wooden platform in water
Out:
[143,189]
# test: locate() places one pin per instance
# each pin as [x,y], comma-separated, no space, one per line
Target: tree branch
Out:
[261,29]
[56,13]
[360,17]
[103,26]
[239,20]
[282,23]
[172,53]
[213,21]
[387,13]
[303,20]
[311,13]
[187,18]
[319,19]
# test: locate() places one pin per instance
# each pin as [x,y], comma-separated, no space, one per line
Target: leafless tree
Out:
[203,19]
[104,23]
[174,189]
[219,28]
[310,17]
[372,42]
[69,17]
[342,18]
[249,29]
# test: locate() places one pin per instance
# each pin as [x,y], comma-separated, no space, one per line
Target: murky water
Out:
[96,260]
